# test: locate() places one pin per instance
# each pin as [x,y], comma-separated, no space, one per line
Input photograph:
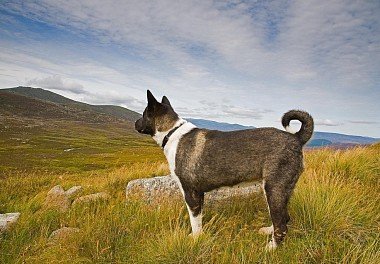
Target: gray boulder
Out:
[153,189]
[156,188]
[6,220]
[73,191]
[56,198]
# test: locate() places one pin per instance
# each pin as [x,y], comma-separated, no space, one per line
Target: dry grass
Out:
[335,218]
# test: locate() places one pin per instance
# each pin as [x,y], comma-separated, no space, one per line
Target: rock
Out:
[154,189]
[6,220]
[56,190]
[240,190]
[73,191]
[92,198]
[57,199]
[61,234]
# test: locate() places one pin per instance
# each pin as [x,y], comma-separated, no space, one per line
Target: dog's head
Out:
[157,117]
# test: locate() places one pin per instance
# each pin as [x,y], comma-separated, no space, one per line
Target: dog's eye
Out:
[148,115]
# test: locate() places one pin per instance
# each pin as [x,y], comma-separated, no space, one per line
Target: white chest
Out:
[171,148]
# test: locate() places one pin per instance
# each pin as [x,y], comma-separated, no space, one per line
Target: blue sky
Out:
[243,62]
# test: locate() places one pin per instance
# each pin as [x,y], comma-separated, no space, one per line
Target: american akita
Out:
[202,160]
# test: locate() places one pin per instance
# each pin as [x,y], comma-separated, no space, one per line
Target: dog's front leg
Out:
[194,202]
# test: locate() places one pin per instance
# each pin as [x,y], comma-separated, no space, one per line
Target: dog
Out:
[202,160]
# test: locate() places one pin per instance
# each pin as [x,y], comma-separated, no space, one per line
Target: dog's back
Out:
[215,158]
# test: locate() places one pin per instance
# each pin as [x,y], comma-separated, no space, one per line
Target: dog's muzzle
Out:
[139,125]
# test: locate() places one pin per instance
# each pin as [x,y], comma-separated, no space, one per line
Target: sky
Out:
[245,62]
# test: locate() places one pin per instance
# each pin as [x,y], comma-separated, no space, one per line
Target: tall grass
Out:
[335,218]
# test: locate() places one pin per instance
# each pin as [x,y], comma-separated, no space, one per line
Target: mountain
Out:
[35,99]
[319,143]
[335,138]
[38,103]
[208,124]
[23,108]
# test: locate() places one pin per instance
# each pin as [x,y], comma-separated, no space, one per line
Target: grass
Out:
[335,208]
[71,146]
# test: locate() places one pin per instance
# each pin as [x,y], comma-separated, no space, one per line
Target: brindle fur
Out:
[156,116]
[209,159]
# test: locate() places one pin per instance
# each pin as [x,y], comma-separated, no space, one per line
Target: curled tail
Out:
[307,127]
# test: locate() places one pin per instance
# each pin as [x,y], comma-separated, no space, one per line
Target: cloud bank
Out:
[56,82]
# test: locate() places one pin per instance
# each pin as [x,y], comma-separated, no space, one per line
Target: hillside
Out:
[41,130]
[20,107]
[68,105]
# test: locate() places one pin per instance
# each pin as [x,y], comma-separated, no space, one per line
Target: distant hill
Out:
[22,107]
[336,138]
[39,103]
[57,106]
[319,143]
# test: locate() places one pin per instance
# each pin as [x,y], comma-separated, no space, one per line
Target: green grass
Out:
[29,145]
[335,208]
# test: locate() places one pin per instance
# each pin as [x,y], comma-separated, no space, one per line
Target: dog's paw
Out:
[272,245]
[268,230]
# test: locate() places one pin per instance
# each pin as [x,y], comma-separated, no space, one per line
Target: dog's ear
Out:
[165,100]
[152,102]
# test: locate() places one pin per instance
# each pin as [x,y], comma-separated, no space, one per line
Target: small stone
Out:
[62,233]
[6,220]
[73,190]
[57,199]
[92,198]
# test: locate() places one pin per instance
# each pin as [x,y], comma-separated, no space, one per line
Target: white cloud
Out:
[114,98]
[325,40]
[56,82]
[364,122]
[167,29]
[244,112]
[219,111]
[326,122]
[333,40]
[105,96]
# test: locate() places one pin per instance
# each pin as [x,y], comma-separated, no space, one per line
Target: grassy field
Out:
[335,207]
[71,147]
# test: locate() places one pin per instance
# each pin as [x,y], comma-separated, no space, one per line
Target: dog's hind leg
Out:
[194,202]
[268,230]
[277,202]
[278,185]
